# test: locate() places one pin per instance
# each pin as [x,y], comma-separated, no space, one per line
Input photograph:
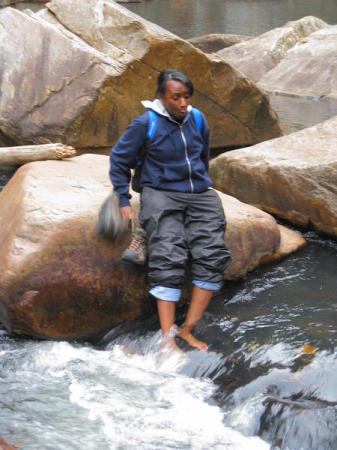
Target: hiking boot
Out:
[136,252]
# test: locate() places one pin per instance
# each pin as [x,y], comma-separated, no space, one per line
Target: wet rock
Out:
[258,56]
[308,69]
[5,446]
[59,279]
[237,111]
[211,43]
[293,177]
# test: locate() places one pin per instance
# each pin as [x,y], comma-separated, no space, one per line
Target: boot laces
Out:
[136,243]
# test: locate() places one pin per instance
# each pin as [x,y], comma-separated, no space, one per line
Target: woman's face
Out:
[176,99]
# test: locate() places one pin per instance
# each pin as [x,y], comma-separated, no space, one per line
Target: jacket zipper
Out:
[187,158]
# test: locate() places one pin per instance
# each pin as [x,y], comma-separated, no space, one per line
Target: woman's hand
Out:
[127,213]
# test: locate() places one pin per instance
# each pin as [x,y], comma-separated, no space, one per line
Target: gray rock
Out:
[212,43]
[293,177]
[258,56]
[308,69]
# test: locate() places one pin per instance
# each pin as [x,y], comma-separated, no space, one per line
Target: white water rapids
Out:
[63,396]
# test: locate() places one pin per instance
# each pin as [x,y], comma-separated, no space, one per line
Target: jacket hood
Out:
[157,106]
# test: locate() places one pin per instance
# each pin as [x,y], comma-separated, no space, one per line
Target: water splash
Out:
[111,398]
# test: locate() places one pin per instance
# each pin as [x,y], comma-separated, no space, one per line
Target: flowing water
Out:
[269,377]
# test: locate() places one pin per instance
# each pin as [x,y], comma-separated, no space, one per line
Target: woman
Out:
[181,214]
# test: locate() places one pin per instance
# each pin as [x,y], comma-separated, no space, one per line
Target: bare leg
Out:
[199,302]
[166,312]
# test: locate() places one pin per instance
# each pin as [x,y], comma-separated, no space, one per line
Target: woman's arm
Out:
[123,157]
[205,137]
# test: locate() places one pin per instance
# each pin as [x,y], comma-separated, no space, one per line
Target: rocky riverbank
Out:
[61,280]
[86,78]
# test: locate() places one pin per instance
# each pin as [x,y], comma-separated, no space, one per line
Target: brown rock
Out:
[236,110]
[258,56]
[308,69]
[5,446]
[290,242]
[60,88]
[211,43]
[293,177]
[251,234]
[59,280]
[54,87]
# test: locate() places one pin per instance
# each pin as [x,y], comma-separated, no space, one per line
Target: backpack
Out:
[151,131]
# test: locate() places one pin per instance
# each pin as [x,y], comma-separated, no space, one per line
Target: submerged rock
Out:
[60,280]
[293,177]
[79,77]
[258,56]
[308,69]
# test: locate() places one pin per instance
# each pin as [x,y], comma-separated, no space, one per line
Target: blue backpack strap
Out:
[197,118]
[152,126]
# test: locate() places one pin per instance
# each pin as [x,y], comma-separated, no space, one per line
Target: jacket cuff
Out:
[124,201]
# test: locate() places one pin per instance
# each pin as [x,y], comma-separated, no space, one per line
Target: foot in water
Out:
[192,341]
[169,347]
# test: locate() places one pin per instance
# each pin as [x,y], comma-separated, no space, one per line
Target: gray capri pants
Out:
[178,226]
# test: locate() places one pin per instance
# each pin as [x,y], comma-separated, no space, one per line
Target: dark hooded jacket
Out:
[177,157]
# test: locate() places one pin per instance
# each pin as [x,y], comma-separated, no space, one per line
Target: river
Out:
[268,379]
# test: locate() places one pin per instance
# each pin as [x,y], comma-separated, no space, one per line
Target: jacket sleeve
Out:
[123,157]
[205,136]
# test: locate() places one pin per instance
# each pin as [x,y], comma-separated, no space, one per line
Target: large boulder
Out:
[60,280]
[258,56]
[308,69]
[79,77]
[53,86]
[293,177]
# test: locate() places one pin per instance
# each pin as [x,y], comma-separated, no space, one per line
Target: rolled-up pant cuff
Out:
[166,293]
[210,286]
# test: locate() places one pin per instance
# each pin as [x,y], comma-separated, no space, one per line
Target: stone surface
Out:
[79,78]
[211,43]
[293,177]
[308,69]
[237,111]
[59,280]
[5,446]
[258,56]
[12,2]
[290,242]
[253,237]
[55,87]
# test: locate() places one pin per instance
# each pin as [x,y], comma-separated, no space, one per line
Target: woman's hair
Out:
[172,74]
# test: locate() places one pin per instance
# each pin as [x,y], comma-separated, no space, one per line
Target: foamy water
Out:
[67,395]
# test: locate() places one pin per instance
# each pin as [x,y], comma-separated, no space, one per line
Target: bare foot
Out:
[192,341]
[169,349]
